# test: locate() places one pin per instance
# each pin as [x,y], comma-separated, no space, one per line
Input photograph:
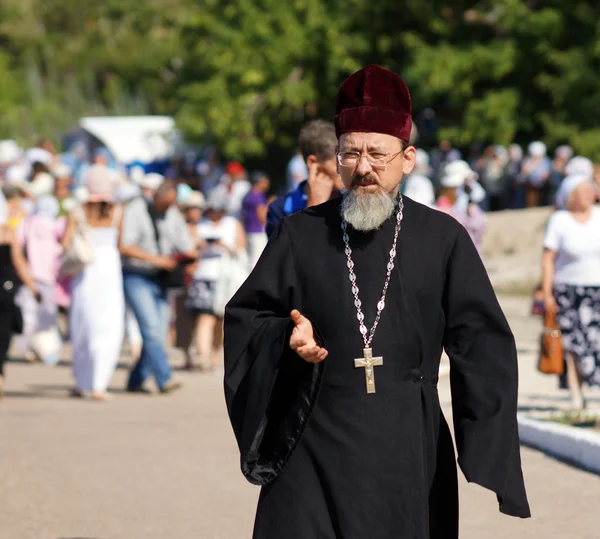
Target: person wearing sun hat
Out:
[97,311]
[460,197]
[192,208]
[333,344]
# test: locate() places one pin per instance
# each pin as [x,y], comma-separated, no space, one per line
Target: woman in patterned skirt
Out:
[571,280]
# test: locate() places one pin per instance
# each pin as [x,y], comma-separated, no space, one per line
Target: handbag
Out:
[80,251]
[551,350]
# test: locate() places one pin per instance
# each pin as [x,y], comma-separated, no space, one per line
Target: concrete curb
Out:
[571,444]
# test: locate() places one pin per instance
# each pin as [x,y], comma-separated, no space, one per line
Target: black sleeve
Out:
[484,379]
[269,389]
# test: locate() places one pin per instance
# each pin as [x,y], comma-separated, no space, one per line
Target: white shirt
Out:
[225,231]
[577,246]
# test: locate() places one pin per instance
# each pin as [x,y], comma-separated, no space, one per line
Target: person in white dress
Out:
[97,307]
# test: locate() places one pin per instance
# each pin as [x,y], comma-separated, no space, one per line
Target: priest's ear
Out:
[409,158]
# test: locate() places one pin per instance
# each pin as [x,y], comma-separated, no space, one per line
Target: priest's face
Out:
[372,166]
[382,162]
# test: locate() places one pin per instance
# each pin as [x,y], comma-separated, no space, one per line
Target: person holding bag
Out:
[571,281]
[149,247]
[222,268]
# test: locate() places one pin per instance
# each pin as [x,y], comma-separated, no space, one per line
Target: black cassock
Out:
[334,461]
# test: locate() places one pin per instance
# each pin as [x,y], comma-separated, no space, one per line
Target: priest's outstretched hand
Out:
[303,341]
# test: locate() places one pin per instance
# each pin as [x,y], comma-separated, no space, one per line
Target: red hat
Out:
[374,100]
[233,168]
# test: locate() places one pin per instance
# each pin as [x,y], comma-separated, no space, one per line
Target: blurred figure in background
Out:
[209,170]
[97,312]
[149,184]
[580,165]
[66,203]
[222,268]
[445,153]
[42,182]
[40,236]
[317,141]
[14,194]
[417,184]
[535,173]
[460,196]
[494,179]
[125,193]
[13,269]
[562,155]
[516,190]
[296,171]
[154,232]
[185,323]
[254,216]
[571,280]
[62,189]
[233,187]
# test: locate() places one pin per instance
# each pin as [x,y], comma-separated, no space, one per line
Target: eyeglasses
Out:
[375,159]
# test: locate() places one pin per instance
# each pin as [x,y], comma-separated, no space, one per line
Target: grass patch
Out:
[580,419]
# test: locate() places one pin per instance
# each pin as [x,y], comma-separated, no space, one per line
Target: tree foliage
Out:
[246,74]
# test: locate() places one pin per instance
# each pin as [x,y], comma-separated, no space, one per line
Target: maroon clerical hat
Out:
[374,100]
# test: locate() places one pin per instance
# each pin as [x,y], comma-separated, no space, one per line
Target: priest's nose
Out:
[363,167]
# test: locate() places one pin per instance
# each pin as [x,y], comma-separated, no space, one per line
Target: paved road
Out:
[167,467]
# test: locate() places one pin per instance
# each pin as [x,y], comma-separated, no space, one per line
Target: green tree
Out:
[79,57]
[256,69]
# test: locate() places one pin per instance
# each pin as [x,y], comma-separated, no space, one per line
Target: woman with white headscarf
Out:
[571,280]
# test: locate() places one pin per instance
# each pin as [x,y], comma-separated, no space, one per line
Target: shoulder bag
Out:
[80,251]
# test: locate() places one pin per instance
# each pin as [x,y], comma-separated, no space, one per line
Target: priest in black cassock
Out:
[332,348]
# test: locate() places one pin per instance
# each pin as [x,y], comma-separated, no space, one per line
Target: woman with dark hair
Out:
[97,311]
[13,271]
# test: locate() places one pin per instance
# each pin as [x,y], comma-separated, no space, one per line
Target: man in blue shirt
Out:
[317,143]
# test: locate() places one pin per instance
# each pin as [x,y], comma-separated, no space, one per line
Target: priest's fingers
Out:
[312,354]
[296,316]
[297,340]
[301,321]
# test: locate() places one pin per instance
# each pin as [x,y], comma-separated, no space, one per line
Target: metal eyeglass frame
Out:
[389,157]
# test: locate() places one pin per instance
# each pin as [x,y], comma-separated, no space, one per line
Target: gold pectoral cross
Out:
[368,362]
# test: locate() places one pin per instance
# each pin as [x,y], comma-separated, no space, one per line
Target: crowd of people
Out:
[119,254]
[97,255]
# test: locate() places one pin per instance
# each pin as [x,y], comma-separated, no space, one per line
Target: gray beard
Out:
[367,211]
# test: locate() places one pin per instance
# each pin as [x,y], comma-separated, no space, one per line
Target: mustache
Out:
[368,178]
